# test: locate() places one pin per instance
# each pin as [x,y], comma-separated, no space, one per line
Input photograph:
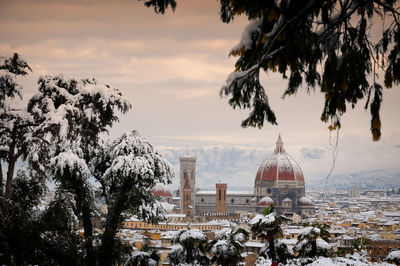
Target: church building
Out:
[279,180]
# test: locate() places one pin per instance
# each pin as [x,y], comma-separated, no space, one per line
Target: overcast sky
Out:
[171,68]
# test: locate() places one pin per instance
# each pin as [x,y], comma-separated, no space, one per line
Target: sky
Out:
[171,67]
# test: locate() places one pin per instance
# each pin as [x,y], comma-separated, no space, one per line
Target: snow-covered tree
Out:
[268,226]
[355,259]
[394,257]
[226,248]
[58,133]
[362,243]
[283,252]
[59,225]
[191,248]
[72,113]
[314,44]
[14,122]
[147,256]
[19,240]
[313,242]
[127,170]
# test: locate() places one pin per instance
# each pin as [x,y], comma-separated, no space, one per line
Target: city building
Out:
[279,181]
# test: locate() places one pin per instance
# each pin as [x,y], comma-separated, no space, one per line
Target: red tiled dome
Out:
[160,191]
[279,166]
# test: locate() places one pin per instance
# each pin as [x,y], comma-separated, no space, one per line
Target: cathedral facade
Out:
[279,181]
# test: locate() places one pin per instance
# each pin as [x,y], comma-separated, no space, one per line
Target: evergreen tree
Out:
[58,226]
[283,252]
[73,113]
[362,243]
[227,246]
[393,257]
[321,44]
[191,248]
[313,241]
[60,139]
[148,256]
[19,240]
[268,226]
[14,122]
[127,170]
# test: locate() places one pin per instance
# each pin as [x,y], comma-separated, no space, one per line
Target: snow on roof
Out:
[132,219]
[228,192]
[254,244]
[289,242]
[167,207]
[175,215]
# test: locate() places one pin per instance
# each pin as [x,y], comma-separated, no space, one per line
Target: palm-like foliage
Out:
[268,226]
[394,257]
[283,252]
[313,241]
[362,243]
[148,256]
[192,247]
[227,246]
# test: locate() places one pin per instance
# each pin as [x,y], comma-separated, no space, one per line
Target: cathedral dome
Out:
[279,166]
[287,200]
[160,190]
[305,201]
[266,201]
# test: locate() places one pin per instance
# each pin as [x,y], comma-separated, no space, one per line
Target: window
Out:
[224,194]
[268,190]
[219,194]
[247,201]
[202,200]
[232,200]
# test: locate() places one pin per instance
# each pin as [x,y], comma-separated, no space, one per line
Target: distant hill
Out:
[372,179]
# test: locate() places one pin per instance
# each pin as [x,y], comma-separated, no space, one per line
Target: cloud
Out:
[315,153]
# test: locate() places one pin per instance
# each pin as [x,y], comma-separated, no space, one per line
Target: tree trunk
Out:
[88,233]
[107,250]
[84,206]
[271,243]
[314,248]
[1,180]
[10,172]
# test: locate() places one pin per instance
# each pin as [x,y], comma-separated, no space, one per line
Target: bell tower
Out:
[220,197]
[188,172]
[187,199]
